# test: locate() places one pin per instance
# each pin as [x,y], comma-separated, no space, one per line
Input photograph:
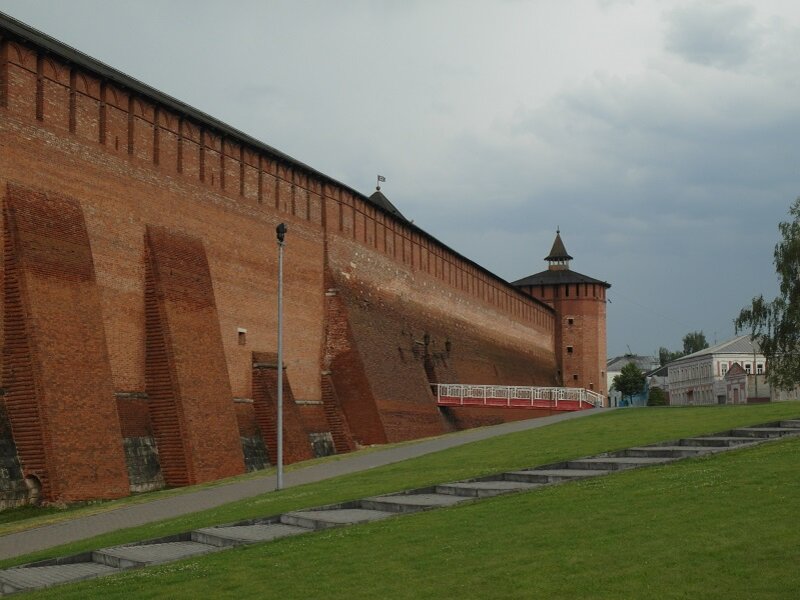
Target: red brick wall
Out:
[465,417]
[55,361]
[134,417]
[131,162]
[246,419]
[585,307]
[296,445]
[390,320]
[186,373]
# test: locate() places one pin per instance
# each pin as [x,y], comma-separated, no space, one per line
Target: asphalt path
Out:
[48,536]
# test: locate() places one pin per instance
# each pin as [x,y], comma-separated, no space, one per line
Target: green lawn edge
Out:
[716,527]
[569,439]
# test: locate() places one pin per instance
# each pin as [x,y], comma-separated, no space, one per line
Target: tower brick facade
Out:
[579,302]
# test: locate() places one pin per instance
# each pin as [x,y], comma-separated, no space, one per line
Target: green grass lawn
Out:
[718,527]
[574,515]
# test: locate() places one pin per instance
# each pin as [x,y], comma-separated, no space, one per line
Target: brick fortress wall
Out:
[580,335]
[362,288]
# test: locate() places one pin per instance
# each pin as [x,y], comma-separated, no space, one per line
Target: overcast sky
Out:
[662,137]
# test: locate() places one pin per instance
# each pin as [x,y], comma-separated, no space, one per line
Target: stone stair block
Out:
[551,475]
[128,557]
[763,432]
[408,503]
[716,441]
[792,423]
[615,463]
[666,451]
[30,578]
[235,535]
[484,489]
[323,519]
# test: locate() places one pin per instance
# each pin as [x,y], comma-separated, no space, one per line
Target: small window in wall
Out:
[748,367]
[241,336]
[760,369]
[591,385]
[570,321]
[575,377]
[724,367]
[569,349]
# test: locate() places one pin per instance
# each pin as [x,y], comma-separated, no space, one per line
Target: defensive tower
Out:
[580,321]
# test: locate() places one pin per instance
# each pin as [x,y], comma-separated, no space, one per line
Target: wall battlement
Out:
[177,217]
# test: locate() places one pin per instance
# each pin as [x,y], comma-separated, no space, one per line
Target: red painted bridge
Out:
[502,396]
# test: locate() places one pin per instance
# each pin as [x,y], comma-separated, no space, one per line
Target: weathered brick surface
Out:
[388,324]
[132,162]
[55,362]
[296,445]
[580,337]
[466,417]
[187,381]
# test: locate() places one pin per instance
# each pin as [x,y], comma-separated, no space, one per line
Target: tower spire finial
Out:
[558,257]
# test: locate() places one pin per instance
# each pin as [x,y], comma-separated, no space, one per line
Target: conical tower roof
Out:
[379,199]
[558,251]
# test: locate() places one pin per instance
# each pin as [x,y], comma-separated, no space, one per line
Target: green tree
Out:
[665,355]
[630,381]
[775,325]
[694,341]
[656,397]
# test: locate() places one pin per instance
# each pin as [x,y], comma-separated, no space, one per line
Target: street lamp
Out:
[280,230]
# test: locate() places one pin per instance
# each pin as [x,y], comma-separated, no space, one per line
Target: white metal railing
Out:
[512,396]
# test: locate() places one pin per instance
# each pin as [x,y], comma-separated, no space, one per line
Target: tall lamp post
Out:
[280,230]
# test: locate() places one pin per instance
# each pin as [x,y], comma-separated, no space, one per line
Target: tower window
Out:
[569,349]
[575,377]
[241,336]
[570,321]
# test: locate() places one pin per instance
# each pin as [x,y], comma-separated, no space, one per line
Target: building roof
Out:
[378,199]
[742,344]
[643,363]
[558,251]
[550,277]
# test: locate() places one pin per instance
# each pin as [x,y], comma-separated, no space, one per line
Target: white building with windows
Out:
[699,378]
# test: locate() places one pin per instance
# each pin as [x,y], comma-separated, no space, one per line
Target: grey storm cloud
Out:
[713,34]
[660,136]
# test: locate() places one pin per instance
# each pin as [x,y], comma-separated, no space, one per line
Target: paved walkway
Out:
[25,542]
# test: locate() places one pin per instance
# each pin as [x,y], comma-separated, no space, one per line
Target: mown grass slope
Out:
[618,536]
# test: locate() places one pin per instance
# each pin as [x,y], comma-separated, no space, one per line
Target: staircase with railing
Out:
[510,396]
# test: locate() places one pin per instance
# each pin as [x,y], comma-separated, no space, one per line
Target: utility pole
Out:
[280,230]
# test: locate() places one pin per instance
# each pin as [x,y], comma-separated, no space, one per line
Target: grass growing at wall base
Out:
[569,439]
[714,527]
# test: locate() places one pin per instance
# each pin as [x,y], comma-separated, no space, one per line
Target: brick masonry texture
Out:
[152,275]
[187,378]
[296,444]
[55,363]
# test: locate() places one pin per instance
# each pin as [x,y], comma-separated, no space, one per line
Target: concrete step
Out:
[763,432]
[615,463]
[484,489]
[31,578]
[666,451]
[323,519]
[128,557]
[408,503]
[719,441]
[793,423]
[235,535]
[551,475]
